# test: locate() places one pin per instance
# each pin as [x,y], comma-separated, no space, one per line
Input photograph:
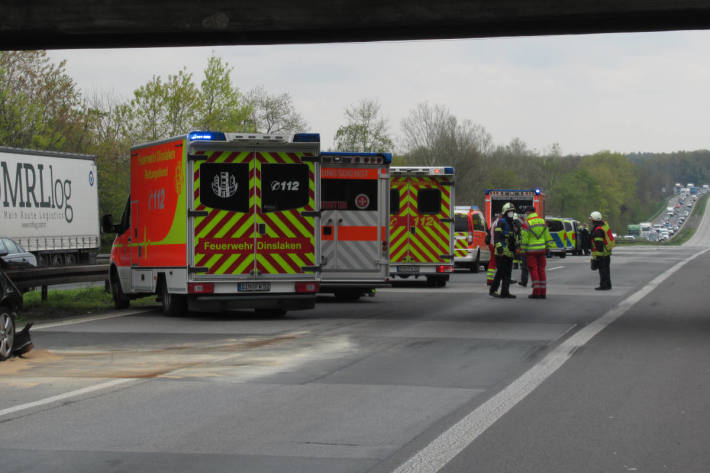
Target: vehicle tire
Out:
[173,305]
[347,295]
[272,313]
[476,264]
[563,254]
[120,300]
[7,333]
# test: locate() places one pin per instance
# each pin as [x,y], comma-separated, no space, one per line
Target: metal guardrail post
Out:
[44,292]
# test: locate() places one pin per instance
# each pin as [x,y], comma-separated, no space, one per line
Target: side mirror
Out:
[107,224]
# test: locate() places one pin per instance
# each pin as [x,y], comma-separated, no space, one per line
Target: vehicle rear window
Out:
[429,201]
[394,201]
[348,194]
[225,186]
[11,246]
[554,225]
[460,223]
[284,186]
[568,227]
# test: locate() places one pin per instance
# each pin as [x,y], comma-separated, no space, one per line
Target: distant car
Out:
[14,256]
[10,302]
[629,237]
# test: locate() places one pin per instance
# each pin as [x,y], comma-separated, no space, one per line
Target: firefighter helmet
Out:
[508,206]
[596,216]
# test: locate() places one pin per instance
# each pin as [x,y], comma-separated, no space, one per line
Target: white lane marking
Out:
[67,395]
[453,441]
[556,267]
[85,319]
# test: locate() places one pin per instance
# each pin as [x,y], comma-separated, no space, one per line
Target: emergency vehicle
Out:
[217,221]
[354,223]
[495,199]
[572,229]
[421,223]
[556,226]
[470,249]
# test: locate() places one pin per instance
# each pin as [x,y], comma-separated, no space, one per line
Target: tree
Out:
[40,104]
[222,106]
[274,114]
[435,137]
[366,131]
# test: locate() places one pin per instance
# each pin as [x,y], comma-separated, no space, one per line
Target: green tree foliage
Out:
[366,131]
[221,105]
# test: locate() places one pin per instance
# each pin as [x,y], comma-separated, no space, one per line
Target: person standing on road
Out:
[505,247]
[524,272]
[586,241]
[490,237]
[535,243]
[602,244]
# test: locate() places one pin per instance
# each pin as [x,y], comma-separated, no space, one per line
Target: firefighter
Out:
[536,242]
[602,244]
[490,237]
[505,247]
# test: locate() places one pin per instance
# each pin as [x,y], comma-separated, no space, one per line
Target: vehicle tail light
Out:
[200,287]
[385,246]
[306,287]
[574,235]
[445,269]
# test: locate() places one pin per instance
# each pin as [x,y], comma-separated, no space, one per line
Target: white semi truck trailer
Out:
[49,204]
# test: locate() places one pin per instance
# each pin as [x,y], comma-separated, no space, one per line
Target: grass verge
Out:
[67,303]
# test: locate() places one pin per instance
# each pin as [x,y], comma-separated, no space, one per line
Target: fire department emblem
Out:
[362,201]
[224,185]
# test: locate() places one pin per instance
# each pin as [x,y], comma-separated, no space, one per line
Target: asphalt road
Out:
[415,379]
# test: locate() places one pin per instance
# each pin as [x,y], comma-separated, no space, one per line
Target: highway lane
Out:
[345,387]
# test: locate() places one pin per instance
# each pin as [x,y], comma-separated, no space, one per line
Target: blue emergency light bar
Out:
[387,156]
[207,136]
[448,170]
[537,190]
[306,138]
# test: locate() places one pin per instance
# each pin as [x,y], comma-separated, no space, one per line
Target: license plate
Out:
[254,286]
[407,269]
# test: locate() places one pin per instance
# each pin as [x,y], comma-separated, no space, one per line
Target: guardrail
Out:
[44,277]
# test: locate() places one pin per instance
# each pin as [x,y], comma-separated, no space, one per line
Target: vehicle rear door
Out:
[402,207]
[463,234]
[351,234]
[224,202]
[285,214]
[430,220]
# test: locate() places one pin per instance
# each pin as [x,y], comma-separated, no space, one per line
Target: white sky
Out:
[622,92]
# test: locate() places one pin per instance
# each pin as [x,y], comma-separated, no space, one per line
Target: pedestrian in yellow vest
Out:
[602,244]
[536,241]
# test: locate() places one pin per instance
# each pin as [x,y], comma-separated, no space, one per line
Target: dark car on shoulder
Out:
[10,303]
[14,256]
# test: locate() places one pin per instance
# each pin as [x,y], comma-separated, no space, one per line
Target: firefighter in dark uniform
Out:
[506,245]
[602,244]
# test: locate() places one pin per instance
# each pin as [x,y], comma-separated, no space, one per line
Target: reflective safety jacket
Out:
[505,237]
[536,237]
[602,240]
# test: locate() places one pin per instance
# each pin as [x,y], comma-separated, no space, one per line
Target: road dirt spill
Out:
[232,358]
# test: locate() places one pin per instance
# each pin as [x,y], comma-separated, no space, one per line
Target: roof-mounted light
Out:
[306,138]
[207,136]
[448,170]
[538,191]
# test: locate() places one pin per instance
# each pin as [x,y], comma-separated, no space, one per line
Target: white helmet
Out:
[596,216]
[508,206]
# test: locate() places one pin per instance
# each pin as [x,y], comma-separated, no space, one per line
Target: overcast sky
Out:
[622,92]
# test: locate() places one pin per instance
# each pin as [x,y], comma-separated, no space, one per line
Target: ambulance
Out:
[421,223]
[217,221]
[354,191]
[470,249]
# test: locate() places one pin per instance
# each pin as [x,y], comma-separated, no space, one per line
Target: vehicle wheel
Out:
[120,300]
[441,282]
[476,264]
[173,305]
[563,255]
[7,333]
[57,259]
[270,312]
[347,295]
[70,259]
